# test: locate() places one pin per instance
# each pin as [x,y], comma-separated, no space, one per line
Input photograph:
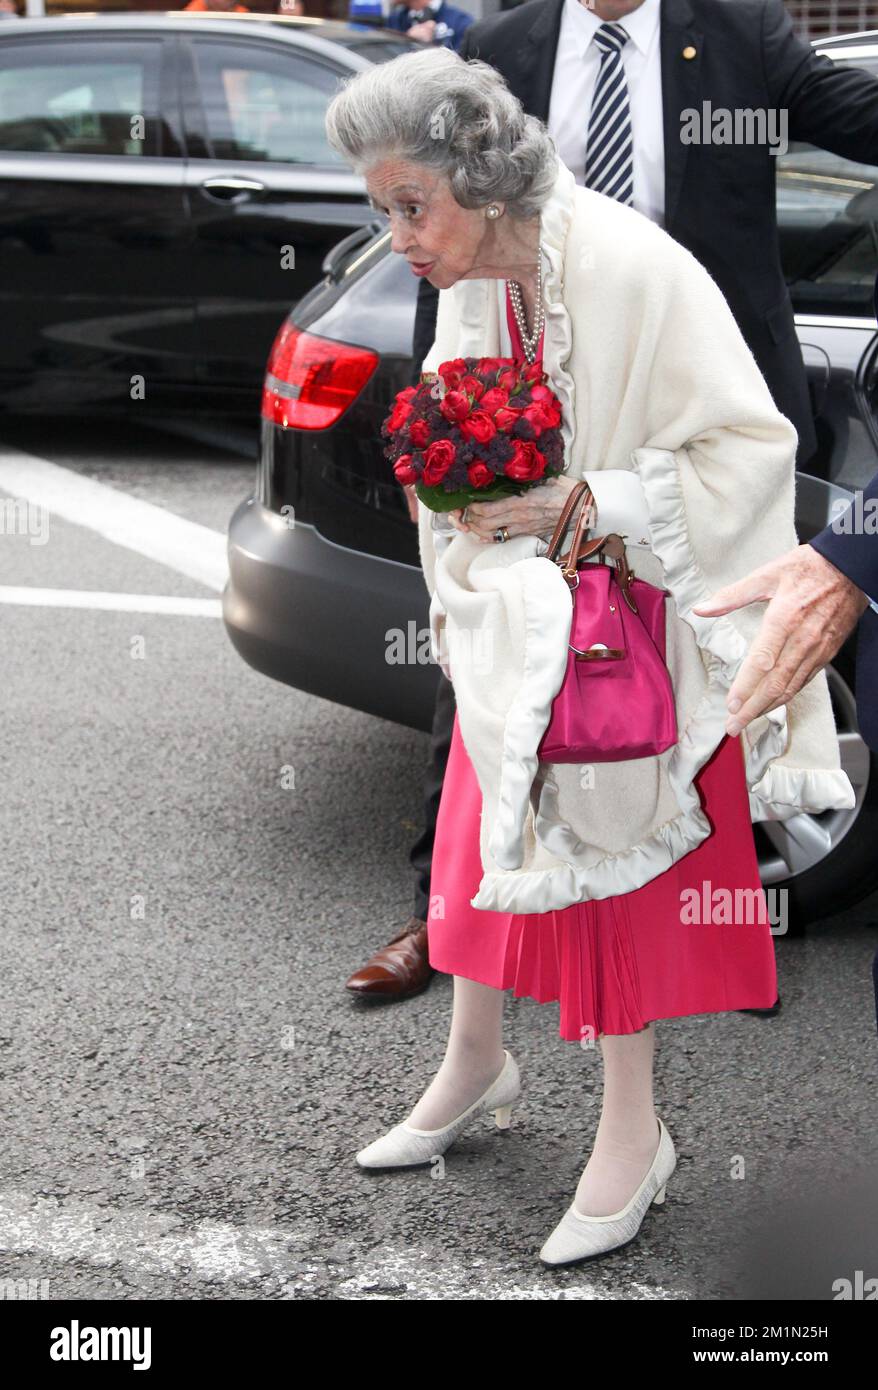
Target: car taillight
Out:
[311,381]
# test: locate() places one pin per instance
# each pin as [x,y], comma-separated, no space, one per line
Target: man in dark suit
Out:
[716,199]
[719,199]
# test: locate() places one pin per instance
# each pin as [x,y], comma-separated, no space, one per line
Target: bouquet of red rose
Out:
[480,428]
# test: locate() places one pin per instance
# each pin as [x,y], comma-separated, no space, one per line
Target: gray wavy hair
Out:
[458,117]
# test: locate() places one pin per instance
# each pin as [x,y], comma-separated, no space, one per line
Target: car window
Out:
[827,215]
[261,104]
[80,97]
[380,50]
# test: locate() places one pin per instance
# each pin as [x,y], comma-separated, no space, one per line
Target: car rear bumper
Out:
[327,619]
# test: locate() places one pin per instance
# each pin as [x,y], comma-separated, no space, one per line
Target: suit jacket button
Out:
[689,51]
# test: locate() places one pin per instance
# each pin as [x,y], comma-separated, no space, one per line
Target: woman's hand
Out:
[411,498]
[535,513]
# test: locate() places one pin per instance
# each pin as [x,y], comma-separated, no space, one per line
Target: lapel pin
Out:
[689,52]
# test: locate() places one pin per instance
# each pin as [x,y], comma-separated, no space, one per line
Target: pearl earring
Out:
[493,211]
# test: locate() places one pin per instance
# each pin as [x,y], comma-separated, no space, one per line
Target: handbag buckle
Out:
[598,652]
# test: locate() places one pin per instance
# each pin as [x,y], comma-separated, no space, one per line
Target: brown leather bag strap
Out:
[579,543]
[582,548]
[564,519]
[615,548]
[586,550]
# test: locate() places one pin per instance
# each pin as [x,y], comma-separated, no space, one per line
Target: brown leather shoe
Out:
[399,970]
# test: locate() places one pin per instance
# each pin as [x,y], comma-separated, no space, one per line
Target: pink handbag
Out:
[617,701]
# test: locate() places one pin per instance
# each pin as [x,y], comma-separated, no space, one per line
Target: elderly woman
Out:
[605,888]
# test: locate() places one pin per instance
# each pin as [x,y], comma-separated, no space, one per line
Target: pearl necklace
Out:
[529,341]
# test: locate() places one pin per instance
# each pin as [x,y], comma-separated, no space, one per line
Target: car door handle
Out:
[229,190]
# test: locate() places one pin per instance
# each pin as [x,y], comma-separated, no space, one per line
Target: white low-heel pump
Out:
[576,1237]
[403,1146]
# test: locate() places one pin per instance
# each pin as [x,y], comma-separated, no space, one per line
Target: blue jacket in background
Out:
[451,23]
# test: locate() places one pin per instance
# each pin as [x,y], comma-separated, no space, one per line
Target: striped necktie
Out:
[609,160]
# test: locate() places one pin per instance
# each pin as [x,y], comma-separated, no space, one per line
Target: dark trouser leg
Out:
[421,854]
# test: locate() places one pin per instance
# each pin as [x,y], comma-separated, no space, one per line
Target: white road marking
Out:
[121,603]
[409,1272]
[157,1242]
[186,546]
[149,1241]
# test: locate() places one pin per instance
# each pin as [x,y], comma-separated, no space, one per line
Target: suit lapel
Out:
[681,85]
[534,61]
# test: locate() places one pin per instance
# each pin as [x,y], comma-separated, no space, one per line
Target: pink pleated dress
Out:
[613,964]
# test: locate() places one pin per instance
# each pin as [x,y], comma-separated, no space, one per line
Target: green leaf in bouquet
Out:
[439,501]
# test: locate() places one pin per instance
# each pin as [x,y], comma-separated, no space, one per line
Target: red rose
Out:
[479,427]
[419,433]
[508,379]
[479,473]
[494,399]
[542,393]
[398,416]
[405,470]
[437,461]
[507,418]
[407,394]
[455,406]
[452,372]
[472,386]
[527,463]
[534,372]
[538,416]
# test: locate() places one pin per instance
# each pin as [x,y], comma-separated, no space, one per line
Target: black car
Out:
[166,194]
[324,563]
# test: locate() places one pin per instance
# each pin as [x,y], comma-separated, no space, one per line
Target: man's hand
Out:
[423,32]
[812,609]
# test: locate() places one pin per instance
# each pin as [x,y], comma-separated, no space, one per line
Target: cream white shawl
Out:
[653,376]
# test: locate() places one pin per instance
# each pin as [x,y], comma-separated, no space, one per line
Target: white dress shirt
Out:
[577,64]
